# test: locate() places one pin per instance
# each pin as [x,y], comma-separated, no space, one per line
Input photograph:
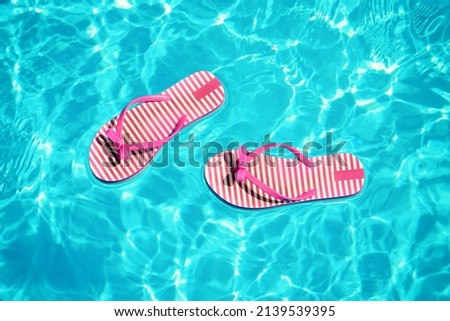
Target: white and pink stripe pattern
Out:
[195,96]
[337,176]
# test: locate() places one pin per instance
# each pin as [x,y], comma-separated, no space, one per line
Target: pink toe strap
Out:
[124,148]
[246,157]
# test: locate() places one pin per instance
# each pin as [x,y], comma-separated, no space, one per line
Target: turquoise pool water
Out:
[374,73]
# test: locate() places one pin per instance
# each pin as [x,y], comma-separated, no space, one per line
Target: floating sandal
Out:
[126,144]
[256,180]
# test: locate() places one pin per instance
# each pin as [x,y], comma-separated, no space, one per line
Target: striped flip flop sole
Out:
[333,176]
[195,96]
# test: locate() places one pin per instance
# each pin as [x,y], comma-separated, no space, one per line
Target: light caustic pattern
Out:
[373,73]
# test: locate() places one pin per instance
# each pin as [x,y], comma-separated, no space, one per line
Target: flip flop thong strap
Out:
[245,157]
[116,136]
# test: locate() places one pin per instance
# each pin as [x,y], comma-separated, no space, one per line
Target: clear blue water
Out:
[375,73]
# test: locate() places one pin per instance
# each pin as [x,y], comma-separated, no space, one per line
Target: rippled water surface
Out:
[374,73]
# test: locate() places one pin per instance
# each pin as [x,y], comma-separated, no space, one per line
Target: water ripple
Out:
[373,73]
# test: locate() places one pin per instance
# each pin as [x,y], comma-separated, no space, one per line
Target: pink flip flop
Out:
[126,144]
[256,180]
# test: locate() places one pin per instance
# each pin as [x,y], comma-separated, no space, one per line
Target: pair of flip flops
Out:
[126,144]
